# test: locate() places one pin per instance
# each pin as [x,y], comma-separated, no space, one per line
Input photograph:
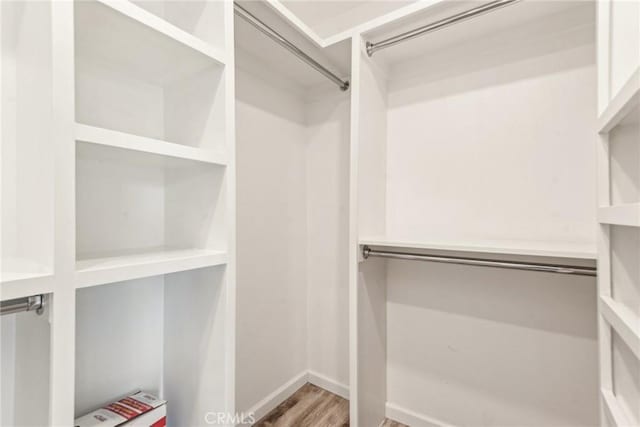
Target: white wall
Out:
[479,346]
[327,234]
[481,136]
[293,160]
[271,240]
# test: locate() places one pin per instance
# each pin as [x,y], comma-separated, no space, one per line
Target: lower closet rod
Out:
[548,268]
[18,305]
[278,38]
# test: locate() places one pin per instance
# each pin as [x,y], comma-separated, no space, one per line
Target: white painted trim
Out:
[354,136]
[613,410]
[413,419]
[328,384]
[279,395]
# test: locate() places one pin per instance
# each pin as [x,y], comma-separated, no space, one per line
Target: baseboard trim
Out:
[278,396]
[328,384]
[410,418]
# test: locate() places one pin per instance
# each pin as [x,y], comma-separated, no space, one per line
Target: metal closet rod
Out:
[438,25]
[513,265]
[18,305]
[278,38]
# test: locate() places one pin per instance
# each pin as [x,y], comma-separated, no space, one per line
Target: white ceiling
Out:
[330,17]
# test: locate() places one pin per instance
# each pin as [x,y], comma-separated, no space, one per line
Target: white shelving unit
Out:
[118,202]
[619,211]
[124,206]
[27,170]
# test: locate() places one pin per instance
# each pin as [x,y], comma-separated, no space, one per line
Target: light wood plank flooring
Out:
[312,406]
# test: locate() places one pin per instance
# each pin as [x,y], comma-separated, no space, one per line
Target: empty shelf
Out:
[622,105]
[624,321]
[111,138]
[97,271]
[110,32]
[627,214]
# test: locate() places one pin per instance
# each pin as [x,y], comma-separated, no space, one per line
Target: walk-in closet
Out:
[320,213]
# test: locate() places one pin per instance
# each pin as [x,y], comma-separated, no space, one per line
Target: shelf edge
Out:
[628,215]
[621,104]
[613,409]
[27,286]
[116,139]
[95,276]
[622,321]
[504,250]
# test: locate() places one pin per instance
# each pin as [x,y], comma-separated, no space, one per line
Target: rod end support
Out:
[370,48]
[366,250]
[345,86]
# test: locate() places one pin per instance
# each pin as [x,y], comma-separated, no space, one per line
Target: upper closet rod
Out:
[32,303]
[548,268]
[438,25]
[274,35]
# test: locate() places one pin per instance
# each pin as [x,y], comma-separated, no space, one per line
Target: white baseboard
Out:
[392,411]
[278,396]
[283,392]
[328,384]
[410,418]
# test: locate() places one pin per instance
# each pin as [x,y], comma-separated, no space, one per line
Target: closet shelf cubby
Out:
[98,271]
[536,249]
[140,214]
[623,108]
[127,78]
[168,34]
[111,138]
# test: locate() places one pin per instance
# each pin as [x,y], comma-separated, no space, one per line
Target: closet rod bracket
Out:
[31,303]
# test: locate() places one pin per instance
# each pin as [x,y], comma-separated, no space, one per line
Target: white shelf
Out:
[614,410]
[98,271]
[23,277]
[19,285]
[158,24]
[506,248]
[622,105]
[625,323]
[627,214]
[111,138]
[111,33]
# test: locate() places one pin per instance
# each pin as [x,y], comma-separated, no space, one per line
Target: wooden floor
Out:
[312,406]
